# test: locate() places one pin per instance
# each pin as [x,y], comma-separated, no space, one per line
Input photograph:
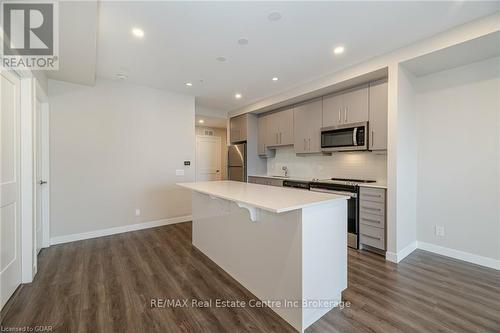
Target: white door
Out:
[208,159]
[10,221]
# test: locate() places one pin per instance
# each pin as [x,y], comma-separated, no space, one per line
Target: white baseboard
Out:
[118,230]
[397,257]
[460,255]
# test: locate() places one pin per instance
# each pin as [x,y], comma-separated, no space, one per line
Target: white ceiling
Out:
[183,39]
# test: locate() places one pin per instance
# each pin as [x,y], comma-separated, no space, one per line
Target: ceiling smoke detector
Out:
[274,16]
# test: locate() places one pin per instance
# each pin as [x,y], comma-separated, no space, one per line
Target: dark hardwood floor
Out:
[106,285]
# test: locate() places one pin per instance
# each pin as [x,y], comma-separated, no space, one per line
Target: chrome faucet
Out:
[285,168]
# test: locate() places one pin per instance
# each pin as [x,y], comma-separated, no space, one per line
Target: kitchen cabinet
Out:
[332,110]
[348,107]
[307,120]
[265,181]
[378,116]
[263,151]
[238,128]
[279,128]
[372,215]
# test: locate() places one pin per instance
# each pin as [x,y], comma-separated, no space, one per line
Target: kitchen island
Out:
[286,246]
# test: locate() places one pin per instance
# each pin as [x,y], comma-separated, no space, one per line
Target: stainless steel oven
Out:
[345,137]
[352,207]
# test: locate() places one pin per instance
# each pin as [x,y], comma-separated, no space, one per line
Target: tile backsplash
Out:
[359,165]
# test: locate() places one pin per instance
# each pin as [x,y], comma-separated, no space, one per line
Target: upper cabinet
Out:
[348,107]
[238,128]
[378,116]
[262,145]
[279,128]
[307,120]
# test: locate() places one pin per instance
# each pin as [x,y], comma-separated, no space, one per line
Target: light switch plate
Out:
[179,172]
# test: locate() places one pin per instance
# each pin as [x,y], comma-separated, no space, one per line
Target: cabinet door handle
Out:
[345,114]
[304,144]
[372,139]
[276,139]
[309,144]
[280,137]
[340,117]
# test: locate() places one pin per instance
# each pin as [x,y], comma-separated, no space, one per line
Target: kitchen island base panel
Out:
[300,255]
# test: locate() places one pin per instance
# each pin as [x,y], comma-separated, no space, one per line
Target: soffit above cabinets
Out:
[338,87]
[471,51]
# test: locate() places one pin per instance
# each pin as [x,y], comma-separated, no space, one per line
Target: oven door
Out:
[352,214]
[344,138]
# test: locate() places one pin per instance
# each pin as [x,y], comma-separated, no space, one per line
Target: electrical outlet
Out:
[179,172]
[137,212]
[439,230]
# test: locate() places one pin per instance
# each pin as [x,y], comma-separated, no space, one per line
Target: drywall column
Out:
[401,166]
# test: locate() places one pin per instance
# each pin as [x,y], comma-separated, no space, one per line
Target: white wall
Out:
[458,114]
[115,147]
[359,165]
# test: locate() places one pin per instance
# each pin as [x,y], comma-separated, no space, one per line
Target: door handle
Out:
[309,144]
[304,144]
[41,182]
[217,171]
[340,117]
[280,137]
[345,114]
[276,137]
[372,139]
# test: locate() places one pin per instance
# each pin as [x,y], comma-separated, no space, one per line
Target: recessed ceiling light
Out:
[138,32]
[189,84]
[243,41]
[201,121]
[274,16]
[221,59]
[238,96]
[338,50]
[121,76]
[275,78]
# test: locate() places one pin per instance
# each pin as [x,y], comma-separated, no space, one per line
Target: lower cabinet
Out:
[372,216]
[265,181]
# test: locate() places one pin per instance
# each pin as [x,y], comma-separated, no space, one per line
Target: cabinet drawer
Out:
[372,194]
[275,182]
[372,219]
[372,207]
[372,236]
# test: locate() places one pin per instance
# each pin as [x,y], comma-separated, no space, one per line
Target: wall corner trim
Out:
[119,230]
[397,257]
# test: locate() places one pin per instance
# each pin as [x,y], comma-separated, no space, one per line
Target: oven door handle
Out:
[355,136]
[349,194]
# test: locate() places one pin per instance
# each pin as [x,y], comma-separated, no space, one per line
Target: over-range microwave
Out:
[345,137]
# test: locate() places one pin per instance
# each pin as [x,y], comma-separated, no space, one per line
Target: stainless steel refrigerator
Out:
[237,162]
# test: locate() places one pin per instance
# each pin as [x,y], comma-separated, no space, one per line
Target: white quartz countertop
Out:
[271,198]
[376,184]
